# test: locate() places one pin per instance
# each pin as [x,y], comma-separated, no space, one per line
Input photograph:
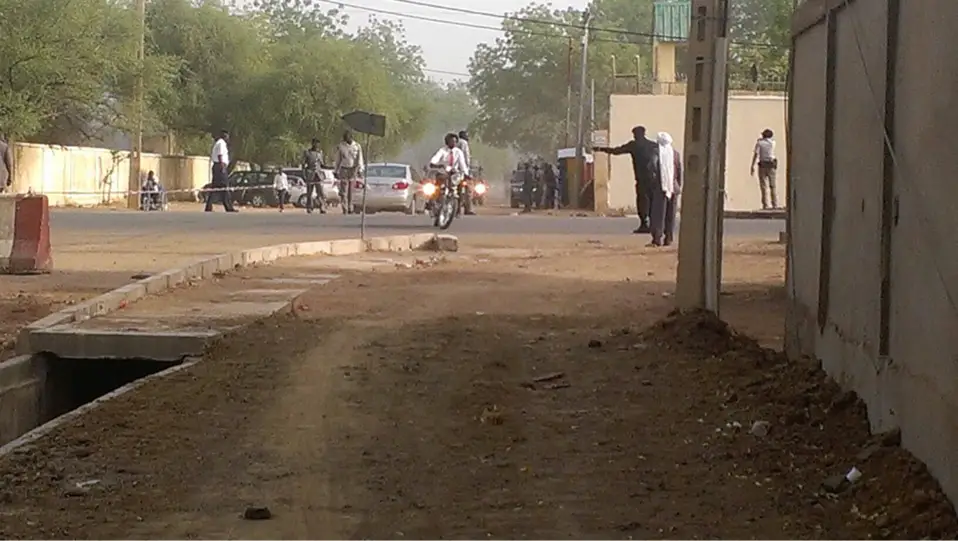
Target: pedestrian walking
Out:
[764,157]
[6,165]
[220,158]
[313,163]
[349,166]
[281,185]
[644,154]
[664,197]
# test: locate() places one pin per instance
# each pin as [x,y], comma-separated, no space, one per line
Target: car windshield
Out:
[386,171]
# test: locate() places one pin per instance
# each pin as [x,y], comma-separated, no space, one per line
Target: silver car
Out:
[390,187]
[297,187]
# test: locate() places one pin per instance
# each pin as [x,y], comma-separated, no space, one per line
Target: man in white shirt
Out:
[463,145]
[220,158]
[764,157]
[349,165]
[281,185]
[451,156]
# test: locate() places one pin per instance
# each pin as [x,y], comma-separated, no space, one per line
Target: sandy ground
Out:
[507,395]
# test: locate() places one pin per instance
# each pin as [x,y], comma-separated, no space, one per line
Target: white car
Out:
[390,187]
[297,187]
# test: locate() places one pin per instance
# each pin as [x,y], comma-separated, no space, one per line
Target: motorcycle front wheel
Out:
[447,211]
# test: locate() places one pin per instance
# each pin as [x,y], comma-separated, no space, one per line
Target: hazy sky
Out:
[446,47]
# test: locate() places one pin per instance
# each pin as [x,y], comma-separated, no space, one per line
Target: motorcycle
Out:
[479,193]
[442,198]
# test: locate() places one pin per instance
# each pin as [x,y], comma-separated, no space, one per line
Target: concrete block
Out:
[380,244]
[401,243]
[209,268]
[156,283]
[71,343]
[132,292]
[225,262]
[446,243]
[193,271]
[323,247]
[347,247]
[422,241]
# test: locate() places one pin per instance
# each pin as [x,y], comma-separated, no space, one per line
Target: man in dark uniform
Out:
[313,162]
[528,185]
[644,153]
[550,182]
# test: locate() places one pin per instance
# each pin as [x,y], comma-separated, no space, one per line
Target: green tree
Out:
[521,81]
[68,63]
[762,31]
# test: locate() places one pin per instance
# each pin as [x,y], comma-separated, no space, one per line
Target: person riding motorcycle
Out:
[463,144]
[451,159]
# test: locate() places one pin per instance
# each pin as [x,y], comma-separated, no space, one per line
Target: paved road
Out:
[297,224]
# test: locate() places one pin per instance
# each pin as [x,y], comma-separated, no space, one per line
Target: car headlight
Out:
[480,189]
[429,189]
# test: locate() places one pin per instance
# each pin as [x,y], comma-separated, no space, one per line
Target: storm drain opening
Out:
[72,383]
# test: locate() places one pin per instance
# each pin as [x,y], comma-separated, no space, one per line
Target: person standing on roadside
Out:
[528,186]
[313,163]
[281,185]
[764,157]
[220,158]
[349,166]
[644,155]
[551,184]
[664,196]
[6,166]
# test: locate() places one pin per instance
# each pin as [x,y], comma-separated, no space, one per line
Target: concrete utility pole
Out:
[577,173]
[568,97]
[133,199]
[700,246]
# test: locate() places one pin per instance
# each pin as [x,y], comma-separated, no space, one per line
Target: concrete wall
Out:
[94,176]
[868,220]
[22,403]
[748,116]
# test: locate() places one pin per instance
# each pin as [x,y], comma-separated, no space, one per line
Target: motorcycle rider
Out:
[463,145]
[451,156]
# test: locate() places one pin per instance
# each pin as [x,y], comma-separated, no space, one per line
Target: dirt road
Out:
[516,395]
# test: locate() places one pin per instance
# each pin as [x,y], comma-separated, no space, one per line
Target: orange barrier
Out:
[25,234]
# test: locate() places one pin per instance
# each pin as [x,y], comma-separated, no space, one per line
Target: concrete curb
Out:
[207,268]
[57,422]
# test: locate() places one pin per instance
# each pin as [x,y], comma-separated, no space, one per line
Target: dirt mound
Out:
[700,332]
[792,422]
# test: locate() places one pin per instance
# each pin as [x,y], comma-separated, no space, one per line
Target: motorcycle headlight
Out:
[480,189]
[429,189]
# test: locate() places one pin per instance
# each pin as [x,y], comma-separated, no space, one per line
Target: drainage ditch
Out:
[72,383]
[35,390]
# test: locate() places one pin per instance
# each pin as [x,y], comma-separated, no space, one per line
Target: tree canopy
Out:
[276,73]
[521,80]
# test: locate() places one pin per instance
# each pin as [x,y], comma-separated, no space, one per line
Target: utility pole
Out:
[133,199]
[577,173]
[568,97]
[700,246]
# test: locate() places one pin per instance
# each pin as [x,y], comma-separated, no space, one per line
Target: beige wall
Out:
[835,280]
[94,176]
[748,116]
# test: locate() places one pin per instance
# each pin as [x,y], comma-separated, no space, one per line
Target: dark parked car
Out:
[253,188]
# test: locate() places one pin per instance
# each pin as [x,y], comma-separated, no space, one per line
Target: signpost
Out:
[369,124]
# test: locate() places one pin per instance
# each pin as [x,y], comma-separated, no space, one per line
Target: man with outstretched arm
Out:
[644,154]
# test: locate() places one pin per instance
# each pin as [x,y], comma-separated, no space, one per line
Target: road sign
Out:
[368,123]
